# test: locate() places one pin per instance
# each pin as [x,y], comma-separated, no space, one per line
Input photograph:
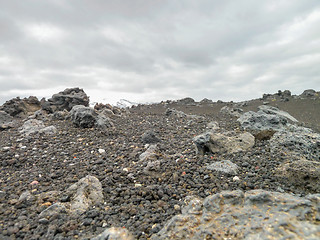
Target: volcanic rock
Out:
[36,126]
[150,137]
[18,107]
[224,166]
[256,214]
[87,117]
[85,193]
[297,141]
[66,99]
[262,121]
[308,93]
[226,142]
[301,173]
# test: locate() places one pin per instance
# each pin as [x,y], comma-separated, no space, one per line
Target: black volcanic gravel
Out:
[57,161]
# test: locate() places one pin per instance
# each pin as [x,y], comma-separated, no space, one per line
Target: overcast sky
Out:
[153,50]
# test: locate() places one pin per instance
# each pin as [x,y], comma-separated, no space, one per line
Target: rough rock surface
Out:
[301,173]
[262,121]
[86,193]
[224,166]
[297,141]
[275,111]
[149,137]
[230,142]
[21,107]
[66,100]
[36,126]
[5,117]
[87,117]
[256,214]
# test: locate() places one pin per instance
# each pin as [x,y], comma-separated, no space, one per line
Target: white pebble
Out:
[236,179]
[101,150]
[6,148]
[125,170]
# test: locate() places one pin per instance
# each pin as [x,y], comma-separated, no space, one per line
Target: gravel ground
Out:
[139,200]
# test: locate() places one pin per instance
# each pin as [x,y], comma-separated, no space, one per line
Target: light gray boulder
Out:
[267,118]
[224,142]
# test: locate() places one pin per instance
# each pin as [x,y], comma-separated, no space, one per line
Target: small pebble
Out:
[101,150]
[236,179]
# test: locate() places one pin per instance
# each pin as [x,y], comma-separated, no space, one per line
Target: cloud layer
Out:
[156,50]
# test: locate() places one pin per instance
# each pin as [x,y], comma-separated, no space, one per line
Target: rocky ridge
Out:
[171,170]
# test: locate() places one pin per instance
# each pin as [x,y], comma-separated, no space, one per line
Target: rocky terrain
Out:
[172,170]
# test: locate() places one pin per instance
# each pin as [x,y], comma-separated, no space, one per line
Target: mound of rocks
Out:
[66,99]
[255,214]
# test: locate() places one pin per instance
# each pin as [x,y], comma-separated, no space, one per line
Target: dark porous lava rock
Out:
[142,183]
[66,100]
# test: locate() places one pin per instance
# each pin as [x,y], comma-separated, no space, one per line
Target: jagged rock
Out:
[206,101]
[236,112]
[151,154]
[308,93]
[66,99]
[101,106]
[275,111]
[297,141]
[262,121]
[285,95]
[302,174]
[114,233]
[227,142]
[149,137]
[103,122]
[152,166]
[21,107]
[256,214]
[85,193]
[83,116]
[187,101]
[87,117]
[33,126]
[224,166]
[53,210]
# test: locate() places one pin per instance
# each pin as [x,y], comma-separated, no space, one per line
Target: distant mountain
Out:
[123,103]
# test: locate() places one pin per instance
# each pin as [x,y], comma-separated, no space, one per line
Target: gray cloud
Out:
[157,50]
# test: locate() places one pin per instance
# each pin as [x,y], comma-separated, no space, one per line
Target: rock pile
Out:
[66,99]
[172,170]
[18,107]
